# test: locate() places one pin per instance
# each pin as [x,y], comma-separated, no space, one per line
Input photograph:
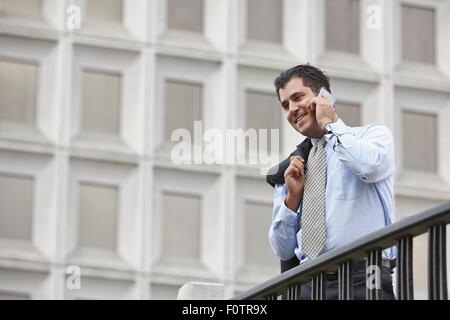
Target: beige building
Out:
[87,183]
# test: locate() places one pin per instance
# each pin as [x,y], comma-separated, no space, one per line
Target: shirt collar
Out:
[314,141]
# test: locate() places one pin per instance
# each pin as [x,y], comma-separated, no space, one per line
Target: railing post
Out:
[405,286]
[292,293]
[437,262]
[374,258]
[345,283]
[271,297]
[318,286]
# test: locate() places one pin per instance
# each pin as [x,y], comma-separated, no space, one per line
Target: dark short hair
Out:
[313,78]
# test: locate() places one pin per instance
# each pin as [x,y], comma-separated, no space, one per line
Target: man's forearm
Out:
[293,201]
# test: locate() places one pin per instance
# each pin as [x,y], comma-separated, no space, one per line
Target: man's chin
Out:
[302,129]
[303,133]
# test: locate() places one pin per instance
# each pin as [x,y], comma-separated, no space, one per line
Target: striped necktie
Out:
[313,210]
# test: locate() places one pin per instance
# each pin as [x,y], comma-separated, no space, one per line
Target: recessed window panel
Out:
[183,106]
[420,141]
[16,207]
[13,296]
[98,210]
[101,102]
[104,10]
[257,248]
[349,113]
[21,8]
[18,86]
[185,15]
[264,20]
[263,111]
[342,25]
[180,227]
[418,34]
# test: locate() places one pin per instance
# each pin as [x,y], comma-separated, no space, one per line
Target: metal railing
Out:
[370,247]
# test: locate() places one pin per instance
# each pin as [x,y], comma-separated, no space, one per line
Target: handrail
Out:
[433,221]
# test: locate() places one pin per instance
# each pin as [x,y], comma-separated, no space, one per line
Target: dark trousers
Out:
[359,285]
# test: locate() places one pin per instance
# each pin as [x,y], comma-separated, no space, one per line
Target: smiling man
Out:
[336,187]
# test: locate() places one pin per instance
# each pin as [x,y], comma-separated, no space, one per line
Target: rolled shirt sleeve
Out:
[284,227]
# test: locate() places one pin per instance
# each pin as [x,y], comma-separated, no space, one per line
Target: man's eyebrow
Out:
[299,93]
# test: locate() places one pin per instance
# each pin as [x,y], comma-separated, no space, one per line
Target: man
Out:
[335,188]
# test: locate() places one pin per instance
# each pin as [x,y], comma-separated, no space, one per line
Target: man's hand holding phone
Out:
[323,105]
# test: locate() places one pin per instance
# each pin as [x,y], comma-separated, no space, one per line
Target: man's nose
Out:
[294,108]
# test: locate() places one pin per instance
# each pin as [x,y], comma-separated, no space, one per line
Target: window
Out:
[264,20]
[98,207]
[420,141]
[345,15]
[16,207]
[418,34]
[13,296]
[263,112]
[257,222]
[101,103]
[21,8]
[349,113]
[180,227]
[18,83]
[104,10]
[185,15]
[183,106]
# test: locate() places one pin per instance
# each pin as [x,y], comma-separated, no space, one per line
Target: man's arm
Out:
[285,220]
[284,227]
[371,156]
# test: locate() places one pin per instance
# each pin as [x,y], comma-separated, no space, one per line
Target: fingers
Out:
[293,171]
[322,100]
[297,162]
[312,104]
[319,101]
[297,158]
[297,166]
[324,111]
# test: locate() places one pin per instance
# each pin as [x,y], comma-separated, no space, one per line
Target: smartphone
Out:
[325,93]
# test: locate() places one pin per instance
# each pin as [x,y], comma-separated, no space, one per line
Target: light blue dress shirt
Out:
[359,197]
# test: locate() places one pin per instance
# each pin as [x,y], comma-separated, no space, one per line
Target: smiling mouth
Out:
[299,118]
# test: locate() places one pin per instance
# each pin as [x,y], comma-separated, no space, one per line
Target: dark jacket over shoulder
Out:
[276,176]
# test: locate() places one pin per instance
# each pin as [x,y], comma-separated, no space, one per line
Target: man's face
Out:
[295,99]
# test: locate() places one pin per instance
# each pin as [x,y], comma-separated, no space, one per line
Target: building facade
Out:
[91,91]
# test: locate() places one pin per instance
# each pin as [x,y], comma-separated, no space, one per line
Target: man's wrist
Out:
[326,126]
[292,202]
